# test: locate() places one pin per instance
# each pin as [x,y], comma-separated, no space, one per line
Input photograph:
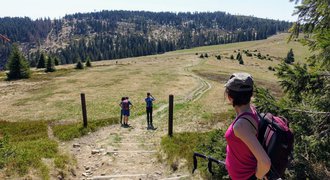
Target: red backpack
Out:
[277,140]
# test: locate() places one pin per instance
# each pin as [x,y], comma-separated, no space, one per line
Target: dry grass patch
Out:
[104,85]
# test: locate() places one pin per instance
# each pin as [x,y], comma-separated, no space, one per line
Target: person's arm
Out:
[246,132]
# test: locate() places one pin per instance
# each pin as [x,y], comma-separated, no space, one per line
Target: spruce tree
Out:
[42,61]
[259,56]
[289,57]
[79,65]
[17,65]
[50,67]
[56,61]
[240,60]
[88,62]
[231,56]
[238,56]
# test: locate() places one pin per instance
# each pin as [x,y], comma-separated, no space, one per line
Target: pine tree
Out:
[201,56]
[79,65]
[240,60]
[290,57]
[56,61]
[42,61]
[259,56]
[50,67]
[231,56]
[88,62]
[238,56]
[17,65]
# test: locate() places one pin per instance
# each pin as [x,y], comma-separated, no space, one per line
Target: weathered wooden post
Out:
[83,107]
[170,116]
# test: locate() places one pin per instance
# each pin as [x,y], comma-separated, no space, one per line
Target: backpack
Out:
[277,140]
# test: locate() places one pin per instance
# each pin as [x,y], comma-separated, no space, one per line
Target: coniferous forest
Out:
[110,35]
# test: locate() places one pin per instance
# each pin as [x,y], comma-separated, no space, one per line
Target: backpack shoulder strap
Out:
[250,123]
[251,115]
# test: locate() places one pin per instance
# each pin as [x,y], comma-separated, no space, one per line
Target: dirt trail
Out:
[115,152]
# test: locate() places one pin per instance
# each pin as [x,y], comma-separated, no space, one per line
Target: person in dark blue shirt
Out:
[149,101]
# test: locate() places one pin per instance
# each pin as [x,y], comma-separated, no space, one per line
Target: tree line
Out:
[132,33]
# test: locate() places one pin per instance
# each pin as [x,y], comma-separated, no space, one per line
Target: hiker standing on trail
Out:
[126,104]
[121,110]
[148,101]
[245,158]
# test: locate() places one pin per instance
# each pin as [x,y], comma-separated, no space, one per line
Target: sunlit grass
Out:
[183,145]
[23,145]
[70,131]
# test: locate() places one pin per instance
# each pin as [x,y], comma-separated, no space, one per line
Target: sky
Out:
[271,9]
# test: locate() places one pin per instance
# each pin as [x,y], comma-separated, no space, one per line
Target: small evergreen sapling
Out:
[50,66]
[42,61]
[79,65]
[56,61]
[88,62]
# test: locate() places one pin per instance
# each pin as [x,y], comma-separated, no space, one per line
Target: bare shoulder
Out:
[243,127]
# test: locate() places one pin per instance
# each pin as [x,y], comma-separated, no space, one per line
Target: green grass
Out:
[213,118]
[23,146]
[66,132]
[40,75]
[183,145]
[117,138]
[40,96]
[61,161]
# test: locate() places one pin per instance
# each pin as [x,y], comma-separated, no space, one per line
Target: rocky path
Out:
[115,152]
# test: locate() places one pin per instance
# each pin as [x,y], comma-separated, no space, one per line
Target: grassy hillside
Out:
[55,98]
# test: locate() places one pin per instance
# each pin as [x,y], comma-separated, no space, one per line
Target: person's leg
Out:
[127,117]
[121,117]
[125,120]
[150,111]
[148,117]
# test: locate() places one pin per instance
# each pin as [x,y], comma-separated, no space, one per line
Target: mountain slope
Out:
[119,34]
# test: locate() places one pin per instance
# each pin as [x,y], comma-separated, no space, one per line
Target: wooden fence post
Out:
[83,107]
[170,116]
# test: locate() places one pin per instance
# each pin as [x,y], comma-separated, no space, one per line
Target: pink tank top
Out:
[240,162]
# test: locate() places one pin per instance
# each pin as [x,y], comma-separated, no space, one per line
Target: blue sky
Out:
[272,9]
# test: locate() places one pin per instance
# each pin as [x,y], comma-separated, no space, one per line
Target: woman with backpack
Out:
[245,158]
